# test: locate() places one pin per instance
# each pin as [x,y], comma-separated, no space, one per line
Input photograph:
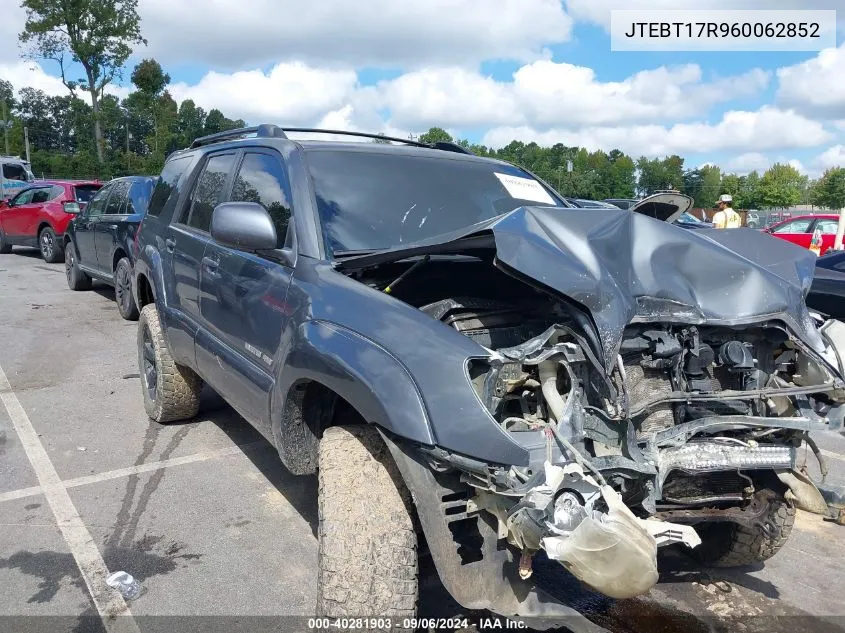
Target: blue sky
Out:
[491,71]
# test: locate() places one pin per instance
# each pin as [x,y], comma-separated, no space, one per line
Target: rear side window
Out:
[261,179]
[57,191]
[84,193]
[827,227]
[41,195]
[167,183]
[14,172]
[118,196]
[208,191]
[139,197]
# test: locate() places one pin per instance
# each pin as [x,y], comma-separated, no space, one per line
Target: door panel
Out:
[14,218]
[105,232]
[185,242]
[86,226]
[242,298]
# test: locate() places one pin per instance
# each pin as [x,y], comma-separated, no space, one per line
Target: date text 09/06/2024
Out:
[427,624]
[723,29]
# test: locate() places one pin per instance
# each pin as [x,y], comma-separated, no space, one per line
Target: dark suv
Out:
[453,348]
[100,241]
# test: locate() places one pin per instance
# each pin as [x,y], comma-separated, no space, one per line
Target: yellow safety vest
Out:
[728,219]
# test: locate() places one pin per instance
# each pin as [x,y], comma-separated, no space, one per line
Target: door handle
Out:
[210,264]
[170,243]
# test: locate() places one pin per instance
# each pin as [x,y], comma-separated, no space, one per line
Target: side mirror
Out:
[245,226]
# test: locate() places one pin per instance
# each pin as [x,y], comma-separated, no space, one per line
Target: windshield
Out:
[374,201]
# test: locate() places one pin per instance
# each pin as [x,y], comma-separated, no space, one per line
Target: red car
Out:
[799,230]
[39,215]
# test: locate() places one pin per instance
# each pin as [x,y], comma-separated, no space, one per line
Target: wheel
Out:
[734,545]
[5,247]
[76,279]
[123,290]
[51,250]
[171,392]
[367,543]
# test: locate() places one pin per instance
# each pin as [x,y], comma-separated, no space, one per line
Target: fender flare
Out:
[374,382]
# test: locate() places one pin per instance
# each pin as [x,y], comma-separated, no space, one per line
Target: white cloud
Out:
[832,157]
[383,33]
[290,93]
[546,93]
[764,130]
[11,23]
[598,11]
[815,86]
[748,162]
[30,74]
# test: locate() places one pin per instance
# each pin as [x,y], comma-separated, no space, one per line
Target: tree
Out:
[830,189]
[659,174]
[149,78]
[97,34]
[435,135]
[781,186]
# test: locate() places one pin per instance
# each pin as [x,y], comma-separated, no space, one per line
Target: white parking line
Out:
[133,470]
[109,603]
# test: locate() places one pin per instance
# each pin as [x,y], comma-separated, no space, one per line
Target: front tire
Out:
[51,250]
[368,546]
[734,545]
[123,290]
[171,392]
[5,247]
[76,279]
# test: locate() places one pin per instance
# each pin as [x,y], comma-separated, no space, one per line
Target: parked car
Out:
[756,219]
[827,294]
[99,242]
[670,206]
[589,204]
[449,345]
[689,221]
[39,215]
[15,174]
[799,230]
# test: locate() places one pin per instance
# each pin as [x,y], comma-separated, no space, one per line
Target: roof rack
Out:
[268,130]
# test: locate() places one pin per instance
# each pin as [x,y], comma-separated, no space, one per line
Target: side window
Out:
[98,202]
[56,192]
[14,172]
[139,197]
[167,182]
[261,179]
[827,227]
[41,195]
[796,226]
[117,198]
[208,191]
[24,197]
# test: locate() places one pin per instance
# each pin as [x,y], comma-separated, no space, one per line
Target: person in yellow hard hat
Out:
[726,217]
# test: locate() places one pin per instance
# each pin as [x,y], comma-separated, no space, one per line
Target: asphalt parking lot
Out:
[204,515]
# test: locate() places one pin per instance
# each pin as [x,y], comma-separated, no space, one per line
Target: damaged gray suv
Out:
[470,363]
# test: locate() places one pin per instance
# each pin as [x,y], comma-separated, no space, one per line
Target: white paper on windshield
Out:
[525,188]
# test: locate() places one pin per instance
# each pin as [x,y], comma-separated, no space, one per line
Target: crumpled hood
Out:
[624,267]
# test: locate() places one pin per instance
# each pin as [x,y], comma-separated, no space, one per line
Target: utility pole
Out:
[5,127]
[26,143]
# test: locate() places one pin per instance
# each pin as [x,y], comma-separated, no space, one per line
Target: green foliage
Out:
[435,135]
[829,191]
[149,78]
[781,186]
[659,174]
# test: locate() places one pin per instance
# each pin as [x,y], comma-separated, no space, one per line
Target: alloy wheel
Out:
[69,263]
[47,245]
[123,289]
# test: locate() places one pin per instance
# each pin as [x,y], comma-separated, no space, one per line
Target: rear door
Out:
[796,231]
[105,231]
[242,295]
[185,241]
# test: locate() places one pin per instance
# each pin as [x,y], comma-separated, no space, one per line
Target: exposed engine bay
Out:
[693,425]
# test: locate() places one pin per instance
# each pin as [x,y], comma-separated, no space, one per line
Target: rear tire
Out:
[368,546]
[5,247]
[171,392]
[123,290]
[76,279]
[51,250]
[734,545]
